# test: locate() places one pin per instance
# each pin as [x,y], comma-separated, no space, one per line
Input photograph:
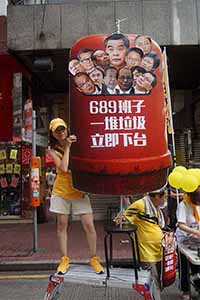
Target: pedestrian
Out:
[147,215]
[174,196]
[66,199]
[188,220]
[50,178]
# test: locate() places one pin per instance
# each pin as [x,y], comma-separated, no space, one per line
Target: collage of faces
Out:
[118,69]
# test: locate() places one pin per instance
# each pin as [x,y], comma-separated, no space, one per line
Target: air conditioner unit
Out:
[43,64]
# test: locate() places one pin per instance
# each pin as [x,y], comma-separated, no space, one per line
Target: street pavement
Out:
[17,256]
[34,289]
[16,247]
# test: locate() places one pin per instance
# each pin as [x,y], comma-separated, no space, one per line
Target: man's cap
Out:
[55,123]
[159,191]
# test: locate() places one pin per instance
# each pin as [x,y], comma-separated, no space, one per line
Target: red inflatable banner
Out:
[118,114]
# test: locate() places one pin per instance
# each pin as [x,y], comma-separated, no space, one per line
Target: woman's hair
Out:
[52,140]
[195,197]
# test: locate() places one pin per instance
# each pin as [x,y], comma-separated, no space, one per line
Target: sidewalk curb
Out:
[28,266]
[51,265]
[40,265]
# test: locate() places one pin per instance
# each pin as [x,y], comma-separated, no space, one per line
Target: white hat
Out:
[159,191]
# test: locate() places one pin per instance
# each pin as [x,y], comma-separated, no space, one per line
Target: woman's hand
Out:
[72,139]
[69,140]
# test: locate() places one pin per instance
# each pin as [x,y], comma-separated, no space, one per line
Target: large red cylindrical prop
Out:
[121,136]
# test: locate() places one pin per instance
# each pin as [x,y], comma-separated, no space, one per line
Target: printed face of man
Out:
[133,59]
[86,61]
[75,67]
[144,82]
[110,78]
[96,76]
[117,52]
[147,63]
[125,79]
[84,84]
[143,43]
[136,73]
[102,58]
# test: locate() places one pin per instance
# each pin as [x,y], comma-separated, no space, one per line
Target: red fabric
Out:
[169,259]
[26,155]
[48,160]
[8,66]
[6,86]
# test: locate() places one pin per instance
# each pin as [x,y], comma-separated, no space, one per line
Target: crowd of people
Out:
[146,213]
[117,69]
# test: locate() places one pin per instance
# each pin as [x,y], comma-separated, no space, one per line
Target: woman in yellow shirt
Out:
[66,199]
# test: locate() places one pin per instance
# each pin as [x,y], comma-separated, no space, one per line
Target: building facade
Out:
[43,31]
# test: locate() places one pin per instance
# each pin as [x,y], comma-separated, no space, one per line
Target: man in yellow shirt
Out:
[147,215]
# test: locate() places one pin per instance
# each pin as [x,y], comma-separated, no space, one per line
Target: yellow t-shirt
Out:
[63,185]
[149,234]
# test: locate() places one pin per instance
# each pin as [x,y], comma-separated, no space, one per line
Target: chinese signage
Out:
[123,129]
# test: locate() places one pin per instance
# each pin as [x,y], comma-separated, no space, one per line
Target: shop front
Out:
[15,154]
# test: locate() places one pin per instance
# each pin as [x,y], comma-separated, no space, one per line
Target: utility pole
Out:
[34,209]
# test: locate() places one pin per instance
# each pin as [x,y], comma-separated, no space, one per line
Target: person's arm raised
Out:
[63,164]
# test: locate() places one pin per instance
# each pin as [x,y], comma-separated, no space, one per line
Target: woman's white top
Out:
[185,215]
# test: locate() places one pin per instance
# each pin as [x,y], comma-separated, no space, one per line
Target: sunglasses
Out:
[60,129]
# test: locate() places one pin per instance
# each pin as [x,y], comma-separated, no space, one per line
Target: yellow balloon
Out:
[194,172]
[189,183]
[197,172]
[175,179]
[180,169]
